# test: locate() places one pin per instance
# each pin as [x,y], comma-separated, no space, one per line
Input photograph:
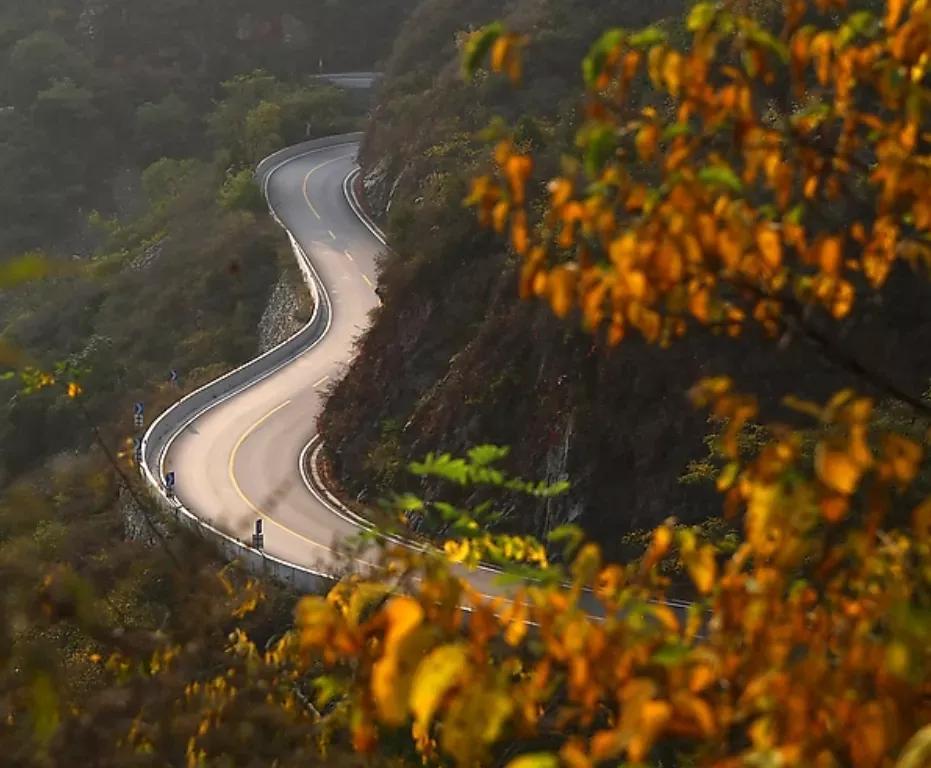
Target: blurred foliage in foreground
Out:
[783,170]
[807,643]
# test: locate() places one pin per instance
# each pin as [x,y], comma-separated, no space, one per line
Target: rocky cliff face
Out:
[454,359]
[284,315]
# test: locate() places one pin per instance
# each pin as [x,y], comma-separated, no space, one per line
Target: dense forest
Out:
[672,255]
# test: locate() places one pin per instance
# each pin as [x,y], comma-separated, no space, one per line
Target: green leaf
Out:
[795,215]
[599,142]
[720,176]
[593,64]
[408,503]
[647,38]
[674,130]
[447,511]
[443,466]
[701,16]
[478,46]
[671,655]
[767,40]
[327,689]
[482,455]
[861,23]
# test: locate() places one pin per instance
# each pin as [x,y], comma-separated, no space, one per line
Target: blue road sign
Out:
[138,409]
[170,480]
[173,376]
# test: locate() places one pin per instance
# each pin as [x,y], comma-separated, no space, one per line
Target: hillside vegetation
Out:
[133,243]
[488,367]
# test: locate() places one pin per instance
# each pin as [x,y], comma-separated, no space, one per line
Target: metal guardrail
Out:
[177,417]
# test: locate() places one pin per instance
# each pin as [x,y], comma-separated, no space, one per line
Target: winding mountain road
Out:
[241,460]
[244,457]
[240,456]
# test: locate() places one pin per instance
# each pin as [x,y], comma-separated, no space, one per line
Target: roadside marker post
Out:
[139,415]
[170,484]
[137,451]
[258,537]
[173,377]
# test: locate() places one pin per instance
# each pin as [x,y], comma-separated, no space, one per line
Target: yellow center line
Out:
[368,282]
[248,501]
[349,256]
[318,383]
[310,173]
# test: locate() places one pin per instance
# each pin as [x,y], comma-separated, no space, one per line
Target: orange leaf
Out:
[829,255]
[561,283]
[653,718]
[646,141]
[767,240]
[894,10]
[837,469]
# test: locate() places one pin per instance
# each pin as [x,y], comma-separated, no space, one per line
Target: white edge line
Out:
[328,499]
[321,296]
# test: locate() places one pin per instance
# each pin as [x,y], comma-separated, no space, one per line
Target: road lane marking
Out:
[318,383]
[369,282]
[248,502]
[332,236]
[311,173]
[349,256]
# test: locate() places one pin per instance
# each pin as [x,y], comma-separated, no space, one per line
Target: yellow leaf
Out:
[442,669]
[474,720]
[667,617]
[672,72]
[535,760]
[654,64]
[917,752]
[392,674]
[703,568]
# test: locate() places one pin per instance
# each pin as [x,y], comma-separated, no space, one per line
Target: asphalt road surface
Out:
[241,460]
